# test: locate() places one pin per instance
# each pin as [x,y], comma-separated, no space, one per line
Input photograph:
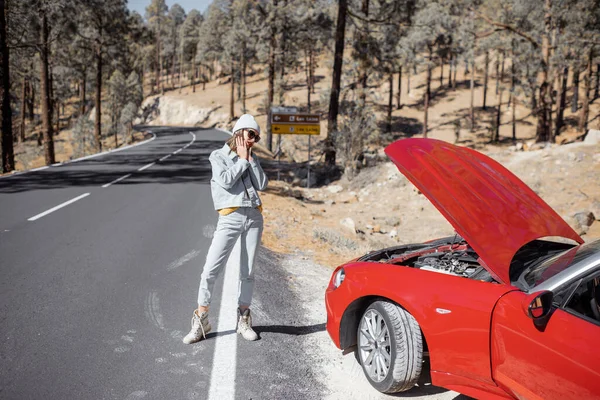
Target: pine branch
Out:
[488,33]
[385,21]
[507,28]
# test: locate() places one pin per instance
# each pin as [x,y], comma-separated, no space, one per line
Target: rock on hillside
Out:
[178,111]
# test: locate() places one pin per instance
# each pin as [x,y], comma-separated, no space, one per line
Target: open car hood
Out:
[492,209]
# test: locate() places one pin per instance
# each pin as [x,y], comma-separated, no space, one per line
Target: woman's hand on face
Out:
[241,148]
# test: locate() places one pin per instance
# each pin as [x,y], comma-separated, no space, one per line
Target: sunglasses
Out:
[253,135]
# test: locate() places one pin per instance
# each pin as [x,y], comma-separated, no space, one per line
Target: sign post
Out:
[287,121]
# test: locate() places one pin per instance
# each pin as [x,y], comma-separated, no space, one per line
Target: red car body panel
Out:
[560,362]
[454,313]
[486,203]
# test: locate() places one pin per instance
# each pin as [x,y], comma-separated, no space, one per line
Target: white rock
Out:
[348,223]
[335,188]
[592,137]
[393,233]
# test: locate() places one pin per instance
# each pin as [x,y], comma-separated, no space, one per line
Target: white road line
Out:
[179,262]
[177,151]
[146,166]
[66,203]
[116,180]
[165,157]
[222,376]
[40,168]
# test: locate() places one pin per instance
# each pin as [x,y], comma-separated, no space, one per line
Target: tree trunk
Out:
[514,119]
[441,72]
[497,73]
[450,70]
[362,38]
[115,130]
[513,99]
[31,102]
[244,64]
[562,102]
[271,88]
[57,106]
[23,106]
[167,72]
[485,78]
[307,73]
[544,115]
[427,96]
[597,85]
[231,97]
[587,82]
[82,95]
[311,63]
[238,78]
[98,100]
[408,81]
[472,109]
[143,79]
[390,102]
[45,96]
[179,80]
[336,81]
[6,139]
[173,68]
[496,133]
[159,87]
[399,93]
[193,68]
[455,71]
[575,98]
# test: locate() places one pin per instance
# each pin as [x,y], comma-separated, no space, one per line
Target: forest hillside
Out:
[74,74]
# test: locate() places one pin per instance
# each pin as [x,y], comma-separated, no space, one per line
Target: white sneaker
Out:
[200,327]
[245,325]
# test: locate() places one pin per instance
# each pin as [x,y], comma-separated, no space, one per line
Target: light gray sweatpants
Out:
[247,224]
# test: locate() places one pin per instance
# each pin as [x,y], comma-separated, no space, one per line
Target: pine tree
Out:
[189,43]
[102,24]
[155,15]
[7,162]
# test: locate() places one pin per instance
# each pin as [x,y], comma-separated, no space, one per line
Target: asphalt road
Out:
[100,261]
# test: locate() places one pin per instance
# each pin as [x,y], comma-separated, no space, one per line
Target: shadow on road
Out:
[189,166]
[290,329]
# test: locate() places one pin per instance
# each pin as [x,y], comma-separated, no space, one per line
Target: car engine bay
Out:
[452,256]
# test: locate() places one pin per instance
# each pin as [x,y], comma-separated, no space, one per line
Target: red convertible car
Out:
[503,308]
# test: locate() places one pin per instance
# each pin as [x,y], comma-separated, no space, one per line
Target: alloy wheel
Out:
[374,345]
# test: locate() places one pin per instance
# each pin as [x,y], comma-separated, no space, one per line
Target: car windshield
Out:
[538,273]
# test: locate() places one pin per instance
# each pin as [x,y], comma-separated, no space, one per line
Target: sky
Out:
[140,5]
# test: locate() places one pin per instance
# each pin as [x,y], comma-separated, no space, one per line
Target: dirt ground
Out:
[380,208]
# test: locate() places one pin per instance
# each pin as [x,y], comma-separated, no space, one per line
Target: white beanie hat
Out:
[246,121]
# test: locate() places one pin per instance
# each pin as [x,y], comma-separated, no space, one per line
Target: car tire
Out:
[393,364]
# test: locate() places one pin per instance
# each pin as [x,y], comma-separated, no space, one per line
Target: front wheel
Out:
[390,347]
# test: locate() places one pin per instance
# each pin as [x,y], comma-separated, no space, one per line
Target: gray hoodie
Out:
[235,182]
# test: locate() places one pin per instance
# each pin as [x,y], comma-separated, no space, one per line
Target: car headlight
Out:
[338,278]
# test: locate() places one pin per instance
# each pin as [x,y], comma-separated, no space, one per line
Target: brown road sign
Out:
[296,129]
[295,124]
[279,118]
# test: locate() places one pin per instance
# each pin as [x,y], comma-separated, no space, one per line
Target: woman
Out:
[236,179]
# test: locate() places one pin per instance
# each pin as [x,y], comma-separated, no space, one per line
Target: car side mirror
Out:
[538,307]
